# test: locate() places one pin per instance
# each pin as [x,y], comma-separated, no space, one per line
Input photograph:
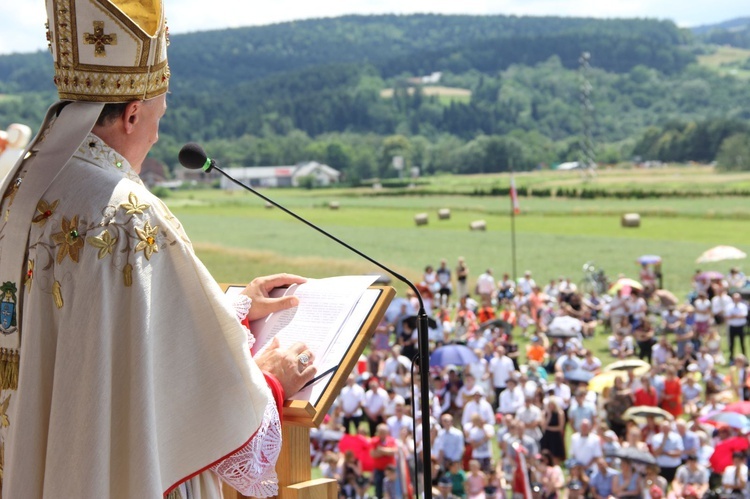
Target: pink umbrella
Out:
[742,407]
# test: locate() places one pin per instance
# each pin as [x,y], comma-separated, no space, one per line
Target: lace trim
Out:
[252,469]
[242,304]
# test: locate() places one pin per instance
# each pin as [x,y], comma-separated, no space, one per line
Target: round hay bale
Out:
[630,220]
[444,214]
[421,219]
[334,205]
[478,225]
[268,205]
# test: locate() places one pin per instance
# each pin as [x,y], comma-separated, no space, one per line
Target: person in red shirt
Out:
[383,450]
[646,394]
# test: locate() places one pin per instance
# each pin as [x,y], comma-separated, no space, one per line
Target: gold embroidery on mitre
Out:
[124,59]
[99,39]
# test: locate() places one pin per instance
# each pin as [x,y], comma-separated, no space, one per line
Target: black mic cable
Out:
[193,157]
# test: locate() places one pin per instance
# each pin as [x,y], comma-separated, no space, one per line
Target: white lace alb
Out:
[252,469]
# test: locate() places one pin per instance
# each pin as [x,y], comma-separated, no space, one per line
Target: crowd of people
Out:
[529,415]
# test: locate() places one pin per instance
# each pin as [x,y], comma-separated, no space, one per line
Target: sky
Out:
[22,21]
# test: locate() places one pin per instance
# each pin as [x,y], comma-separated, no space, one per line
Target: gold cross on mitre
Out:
[99,39]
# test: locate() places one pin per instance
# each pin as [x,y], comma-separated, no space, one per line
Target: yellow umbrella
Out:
[606,378]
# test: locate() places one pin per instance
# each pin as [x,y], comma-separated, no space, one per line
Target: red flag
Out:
[514,196]
[521,483]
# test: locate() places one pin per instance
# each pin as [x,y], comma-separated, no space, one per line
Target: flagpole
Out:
[513,223]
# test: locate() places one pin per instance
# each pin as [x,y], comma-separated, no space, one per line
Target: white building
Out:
[281,176]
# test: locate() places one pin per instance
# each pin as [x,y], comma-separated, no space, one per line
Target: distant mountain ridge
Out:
[731,24]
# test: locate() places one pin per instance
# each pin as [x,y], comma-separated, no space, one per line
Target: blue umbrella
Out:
[458,355]
[649,259]
[578,375]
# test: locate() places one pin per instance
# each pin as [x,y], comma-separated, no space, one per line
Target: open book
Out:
[332,313]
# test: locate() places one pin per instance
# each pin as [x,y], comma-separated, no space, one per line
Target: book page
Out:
[328,363]
[324,305]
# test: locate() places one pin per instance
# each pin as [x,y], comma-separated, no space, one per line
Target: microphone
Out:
[193,157]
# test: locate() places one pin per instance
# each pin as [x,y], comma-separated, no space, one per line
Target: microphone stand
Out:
[422,337]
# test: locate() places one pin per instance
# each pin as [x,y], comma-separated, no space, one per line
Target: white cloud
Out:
[22,21]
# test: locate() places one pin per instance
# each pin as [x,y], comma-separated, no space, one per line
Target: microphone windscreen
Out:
[192,156]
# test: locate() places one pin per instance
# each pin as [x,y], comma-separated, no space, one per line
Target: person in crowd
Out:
[553,436]
[621,342]
[628,483]
[738,378]
[671,400]
[512,398]
[585,446]
[581,409]
[578,485]
[501,369]
[399,420]
[476,481]
[667,446]
[690,474]
[602,479]
[736,279]
[479,436]
[351,398]
[449,444]
[374,405]
[654,485]
[549,475]
[506,289]
[692,394]
[383,449]
[734,477]
[444,283]
[620,400]
[485,287]
[462,278]
[736,316]
[526,283]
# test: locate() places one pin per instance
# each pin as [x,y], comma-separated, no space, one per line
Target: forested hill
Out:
[343,91]
[394,44]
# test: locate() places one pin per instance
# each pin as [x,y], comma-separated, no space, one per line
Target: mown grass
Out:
[554,237]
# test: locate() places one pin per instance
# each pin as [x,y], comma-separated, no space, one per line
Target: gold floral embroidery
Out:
[4,421]
[133,207]
[147,241]
[127,275]
[105,242]
[44,211]
[29,274]
[57,294]
[69,239]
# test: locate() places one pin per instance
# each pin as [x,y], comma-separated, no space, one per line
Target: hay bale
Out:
[478,225]
[334,205]
[444,214]
[268,205]
[630,220]
[420,219]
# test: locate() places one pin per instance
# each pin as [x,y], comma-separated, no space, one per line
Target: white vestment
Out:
[134,371]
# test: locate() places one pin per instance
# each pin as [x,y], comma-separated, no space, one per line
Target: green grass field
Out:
[238,237]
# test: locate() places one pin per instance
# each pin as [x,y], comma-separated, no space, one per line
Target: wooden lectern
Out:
[293,467]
